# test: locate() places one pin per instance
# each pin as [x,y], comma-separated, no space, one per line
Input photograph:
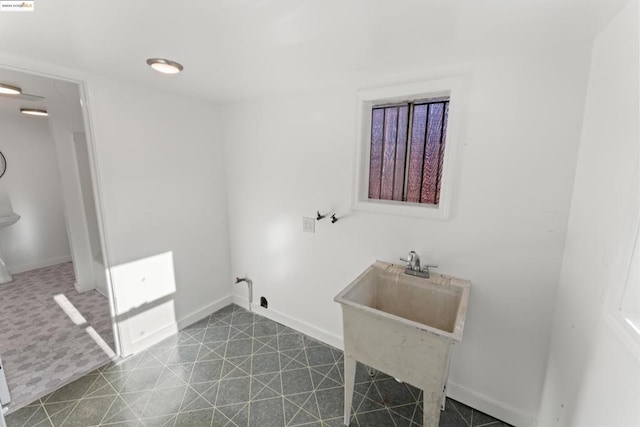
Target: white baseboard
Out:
[172,328]
[154,338]
[299,325]
[492,407]
[16,269]
[204,312]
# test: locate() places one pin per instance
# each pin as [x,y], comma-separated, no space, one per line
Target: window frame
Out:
[369,98]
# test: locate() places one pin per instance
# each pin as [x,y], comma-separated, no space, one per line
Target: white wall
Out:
[64,121]
[160,170]
[290,156]
[593,377]
[81,151]
[32,187]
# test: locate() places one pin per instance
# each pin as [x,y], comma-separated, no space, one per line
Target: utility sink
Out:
[437,304]
[404,326]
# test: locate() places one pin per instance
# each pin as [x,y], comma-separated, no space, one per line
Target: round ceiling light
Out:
[34,112]
[165,66]
[10,90]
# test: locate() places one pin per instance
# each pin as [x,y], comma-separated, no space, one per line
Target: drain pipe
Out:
[250,285]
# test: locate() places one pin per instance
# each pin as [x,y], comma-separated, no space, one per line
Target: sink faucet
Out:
[413,266]
[413,261]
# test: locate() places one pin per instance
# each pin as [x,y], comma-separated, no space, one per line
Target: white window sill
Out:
[390,207]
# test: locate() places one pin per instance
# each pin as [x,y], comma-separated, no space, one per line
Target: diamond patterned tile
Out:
[236,369]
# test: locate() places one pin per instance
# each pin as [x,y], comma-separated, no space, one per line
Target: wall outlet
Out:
[308,224]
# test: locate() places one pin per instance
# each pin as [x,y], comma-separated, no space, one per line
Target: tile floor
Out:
[235,368]
[42,346]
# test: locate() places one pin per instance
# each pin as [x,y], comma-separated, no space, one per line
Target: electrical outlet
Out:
[308,224]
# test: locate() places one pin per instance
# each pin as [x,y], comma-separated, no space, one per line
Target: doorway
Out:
[56,312]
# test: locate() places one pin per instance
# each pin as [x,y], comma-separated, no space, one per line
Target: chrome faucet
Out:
[413,266]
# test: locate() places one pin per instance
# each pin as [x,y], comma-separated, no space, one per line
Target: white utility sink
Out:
[6,219]
[404,326]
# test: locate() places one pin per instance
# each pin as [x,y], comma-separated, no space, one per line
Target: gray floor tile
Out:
[164,402]
[201,418]
[240,347]
[296,381]
[330,402]
[265,363]
[88,412]
[236,368]
[290,341]
[29,415]
[380,418]
[233,391]
[74,390]
[319,355]
[206,371]
[266,413]
[216,334]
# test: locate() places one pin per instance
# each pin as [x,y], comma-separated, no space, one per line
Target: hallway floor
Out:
[50,334]
[235,368]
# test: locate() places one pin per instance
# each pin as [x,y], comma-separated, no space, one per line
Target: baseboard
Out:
[492,407]
[204,312]
[299,325]
[40,264]
[154,338]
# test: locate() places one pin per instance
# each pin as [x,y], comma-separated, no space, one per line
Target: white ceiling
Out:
[244,48]
[61,98]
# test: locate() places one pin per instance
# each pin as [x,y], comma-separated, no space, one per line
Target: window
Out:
[406,148]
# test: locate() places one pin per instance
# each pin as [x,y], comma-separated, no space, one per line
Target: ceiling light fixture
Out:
[10,90]
[34,112]
[165,66]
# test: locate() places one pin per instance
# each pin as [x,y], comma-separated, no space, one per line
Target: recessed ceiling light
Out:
[10,90]
[34,112]
[165,66]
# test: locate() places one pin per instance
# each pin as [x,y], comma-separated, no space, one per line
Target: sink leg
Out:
[431,410]
[349,381]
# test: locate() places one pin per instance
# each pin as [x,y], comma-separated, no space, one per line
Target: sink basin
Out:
[437,304]
[404,326]
[8,218]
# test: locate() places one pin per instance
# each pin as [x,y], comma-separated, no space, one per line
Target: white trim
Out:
[490,406]
[17,269]
[204,312]
[293,323]
[153,338]
[452,87]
